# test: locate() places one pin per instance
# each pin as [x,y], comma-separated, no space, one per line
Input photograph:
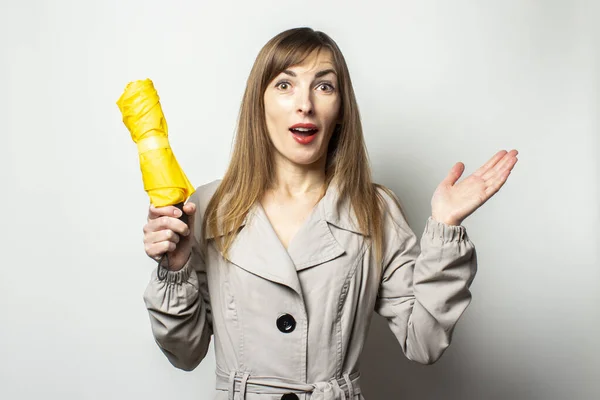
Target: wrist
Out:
[164,268]
[446,221]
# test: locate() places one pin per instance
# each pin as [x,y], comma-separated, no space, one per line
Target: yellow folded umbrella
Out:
[164,180]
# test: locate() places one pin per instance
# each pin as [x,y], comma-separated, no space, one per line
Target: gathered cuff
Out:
[180,276]
[438,231]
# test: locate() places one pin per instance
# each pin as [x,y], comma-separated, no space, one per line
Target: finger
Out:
[455,173]
[497,167]
[165,222]
[507,162]
[161,236]
[157,212]
[496,185]
[189,208]
[497,181]
[156,250]
[190,211]
[491,162]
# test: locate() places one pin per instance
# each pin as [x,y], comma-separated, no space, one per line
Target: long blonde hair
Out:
[251,170]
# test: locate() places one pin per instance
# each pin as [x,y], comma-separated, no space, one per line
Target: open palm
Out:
[453,202]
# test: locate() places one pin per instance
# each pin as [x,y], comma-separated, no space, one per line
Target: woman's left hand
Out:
[452,203]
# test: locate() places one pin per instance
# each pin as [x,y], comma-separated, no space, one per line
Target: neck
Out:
[294,180]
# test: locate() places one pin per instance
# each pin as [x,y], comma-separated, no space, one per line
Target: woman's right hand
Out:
[165,232]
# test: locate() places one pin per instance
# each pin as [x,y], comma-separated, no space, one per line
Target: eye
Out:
[328,87]
[283,85]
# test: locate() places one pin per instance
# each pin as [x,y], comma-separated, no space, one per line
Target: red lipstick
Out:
[304,133]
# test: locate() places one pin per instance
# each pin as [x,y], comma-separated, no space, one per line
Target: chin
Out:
[302,157]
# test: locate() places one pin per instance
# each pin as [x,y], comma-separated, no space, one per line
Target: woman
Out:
[287,256]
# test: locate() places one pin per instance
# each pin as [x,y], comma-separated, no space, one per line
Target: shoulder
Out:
[393,216]
[390,202]
[201,197]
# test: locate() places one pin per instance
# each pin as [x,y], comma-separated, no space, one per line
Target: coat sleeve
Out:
[424,288]
[179,309]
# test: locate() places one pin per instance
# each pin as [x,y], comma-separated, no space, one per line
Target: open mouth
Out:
[304,135]
[304,131]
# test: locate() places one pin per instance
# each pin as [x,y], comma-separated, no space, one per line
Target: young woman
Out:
[286,257]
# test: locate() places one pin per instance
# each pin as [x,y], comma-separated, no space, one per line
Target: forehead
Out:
[315,61]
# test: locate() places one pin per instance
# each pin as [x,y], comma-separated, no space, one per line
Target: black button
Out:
[289,396]
[286,324]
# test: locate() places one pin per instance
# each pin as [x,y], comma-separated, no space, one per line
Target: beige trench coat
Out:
[291,324]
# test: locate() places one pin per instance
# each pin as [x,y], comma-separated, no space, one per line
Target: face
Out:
[302,105]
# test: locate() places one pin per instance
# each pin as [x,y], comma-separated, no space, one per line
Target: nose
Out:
[304,102]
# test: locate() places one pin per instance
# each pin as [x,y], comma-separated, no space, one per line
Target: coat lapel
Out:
[258,250]
[314,243]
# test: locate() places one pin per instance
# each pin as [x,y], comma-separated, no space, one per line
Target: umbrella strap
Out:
[153,143]
[161,271]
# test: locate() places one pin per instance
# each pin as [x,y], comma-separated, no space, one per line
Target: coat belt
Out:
[344,388]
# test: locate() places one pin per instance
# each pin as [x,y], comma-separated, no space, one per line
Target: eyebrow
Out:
[317,75]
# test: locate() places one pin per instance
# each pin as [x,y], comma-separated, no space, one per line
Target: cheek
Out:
[276,110]
[332,111]
[270,113]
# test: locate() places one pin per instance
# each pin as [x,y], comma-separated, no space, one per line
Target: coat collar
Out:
[258,250]
[331,208]
[338,211]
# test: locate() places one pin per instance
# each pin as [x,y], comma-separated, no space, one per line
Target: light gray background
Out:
[437,82]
